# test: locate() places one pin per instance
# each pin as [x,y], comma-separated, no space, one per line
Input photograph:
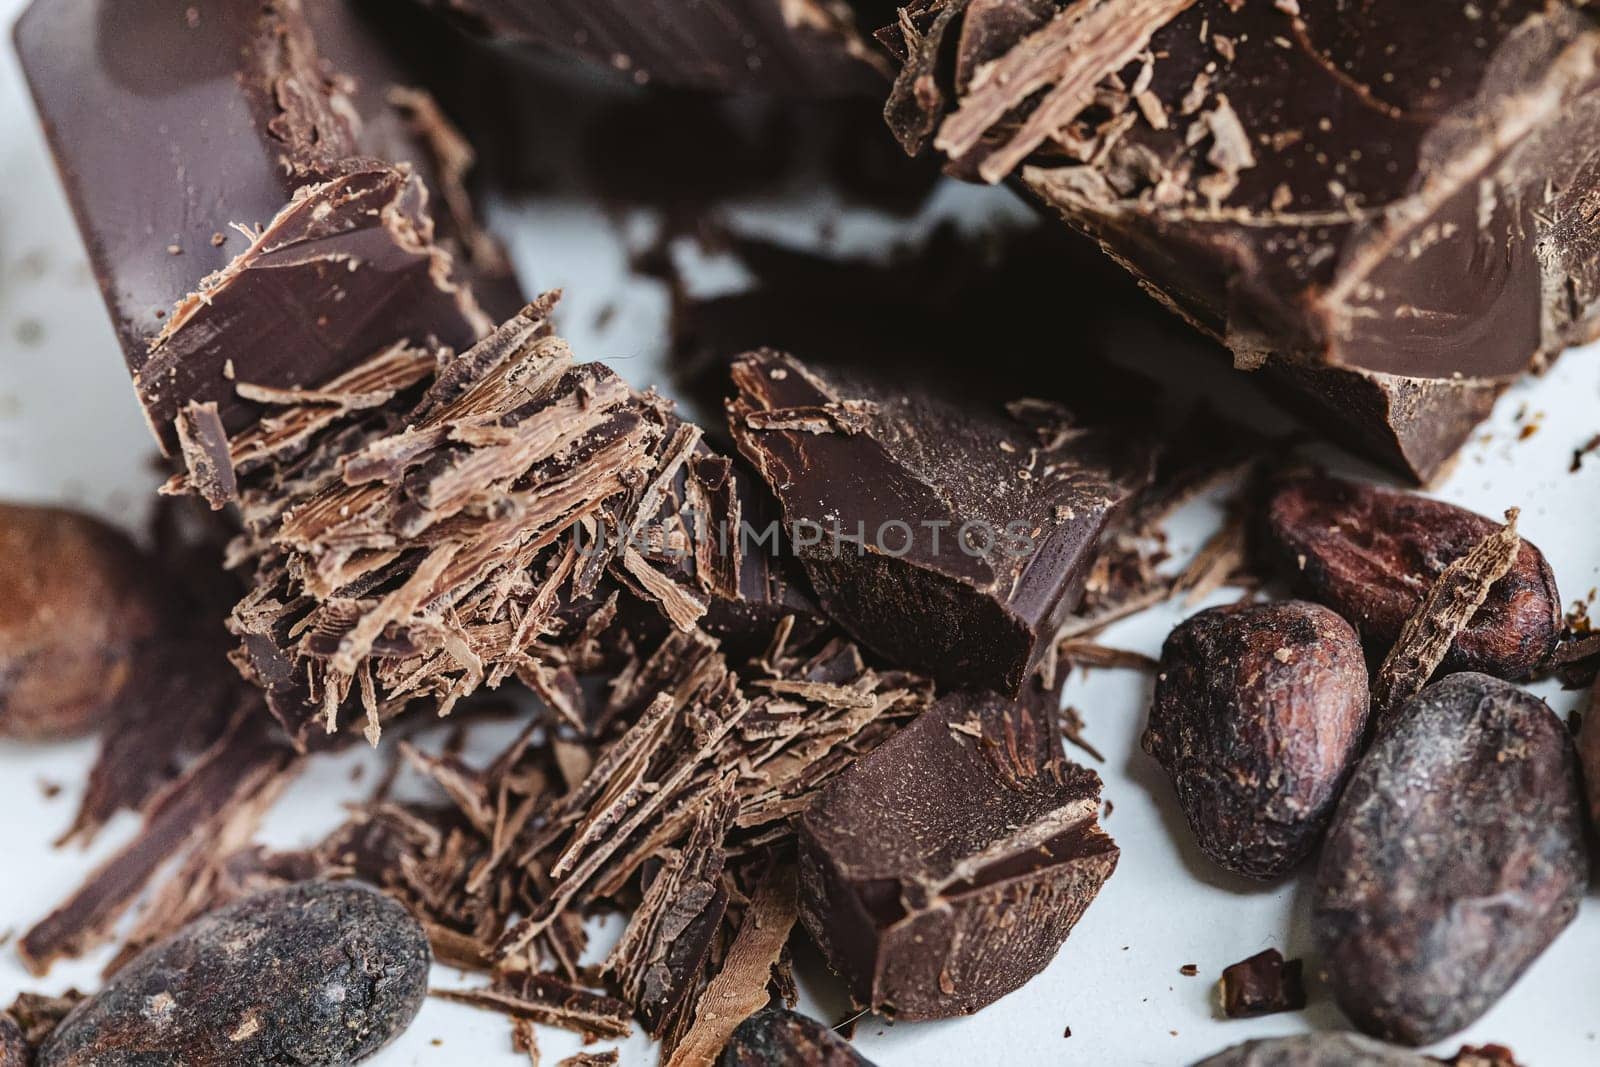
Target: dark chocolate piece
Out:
[172,124]
[948,538]
[1389,192]
[1264,984]
[1457,856]
[318,973]
[81,606]
[792,47]
[777,1038]
[1372,554]
[1260,711]
[945,869]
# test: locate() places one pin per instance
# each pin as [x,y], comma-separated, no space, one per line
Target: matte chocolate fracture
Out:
[789,47]
[259,193]
[1381,205]
[946,869]
[952,539]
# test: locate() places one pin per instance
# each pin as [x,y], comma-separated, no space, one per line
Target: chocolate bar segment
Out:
[791,47]
[1387,190]
[947,538]
[181,131]
[946,868]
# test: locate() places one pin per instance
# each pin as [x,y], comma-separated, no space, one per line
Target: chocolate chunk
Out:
[1483,1056]
[1260,711]
[1262,985]
[1372,554]
[777,1038]
[1295,190]
[804,48]
[1422,930]
[319,973]
[172,123]
[81,607]
[945,869]
[951,539]
[1316,1050]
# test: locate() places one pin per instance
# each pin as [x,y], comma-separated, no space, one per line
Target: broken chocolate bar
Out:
[254,192]
[791,47]
[951,539]
[945,869]
[1376,201]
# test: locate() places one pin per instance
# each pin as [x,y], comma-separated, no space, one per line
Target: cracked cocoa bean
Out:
[1371,554]
[314,975]
[1316,1050]
[1258,717]
[774,1038]
[1455,858]
[78,603]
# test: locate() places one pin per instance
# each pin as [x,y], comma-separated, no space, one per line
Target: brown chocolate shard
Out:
[774,1037]
[546,999]
[1264,984]
[792,47]
[950,539]
[172,124]
[1364,227]
[231,773]
[909,860]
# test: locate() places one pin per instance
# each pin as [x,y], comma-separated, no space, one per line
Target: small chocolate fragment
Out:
[945,869]
[173,123]
[792,47]
[1483,1056]
[1456,857]
[319,973]
[1259,715]
[777,1038]
[950,539]
[1317,1050]
[1372,554]
[1394,237]
[80,605]
[1264,984]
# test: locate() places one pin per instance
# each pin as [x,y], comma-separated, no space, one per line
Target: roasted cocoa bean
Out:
[319,973]
[1589,754]
[1371,554]
[13,1049]
[78,602]
[1258,717]
[775,1038]
[1317,1050]
[1456,856]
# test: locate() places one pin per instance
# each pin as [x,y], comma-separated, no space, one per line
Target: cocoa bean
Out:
[1372,554]
[79,600]
[1589,754]
[1316,1050]
[775,1038]
[13,1049]
[1258,717]
[313,975]
[1456,856]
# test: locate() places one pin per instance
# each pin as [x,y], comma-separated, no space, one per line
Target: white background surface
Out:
[70,431]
